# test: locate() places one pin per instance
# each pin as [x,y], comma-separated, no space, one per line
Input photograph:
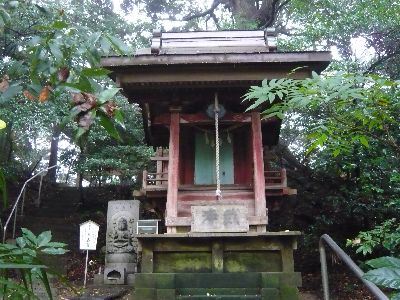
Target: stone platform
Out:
[218,266]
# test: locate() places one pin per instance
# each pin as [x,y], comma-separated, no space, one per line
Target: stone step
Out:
[215,280]
[222,297]
[217,291]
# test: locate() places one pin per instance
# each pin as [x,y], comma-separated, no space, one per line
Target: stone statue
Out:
[121,240]
[121,247]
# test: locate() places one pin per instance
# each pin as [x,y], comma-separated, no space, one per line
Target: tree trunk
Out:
[264,13]
[52,173]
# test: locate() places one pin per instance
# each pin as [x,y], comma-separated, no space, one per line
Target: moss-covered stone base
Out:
[218,266]
[251,285]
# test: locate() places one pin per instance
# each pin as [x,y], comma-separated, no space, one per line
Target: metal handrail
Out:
[17,201]
[349,263]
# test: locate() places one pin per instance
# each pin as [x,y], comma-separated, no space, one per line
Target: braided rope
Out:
[218,192]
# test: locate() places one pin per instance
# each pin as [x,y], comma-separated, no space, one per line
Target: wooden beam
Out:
[173,169]
[258,162]
[318,59]
[173,75]
[202,118]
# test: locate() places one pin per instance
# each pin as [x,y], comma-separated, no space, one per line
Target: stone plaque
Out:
[220,218]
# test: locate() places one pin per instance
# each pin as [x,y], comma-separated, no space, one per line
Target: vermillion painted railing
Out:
[160,179]
[326,239]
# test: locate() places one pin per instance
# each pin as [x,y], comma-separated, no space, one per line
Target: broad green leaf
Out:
[54,251]
[7,247]
[21,266]
[80,132]
[13,4]
[119,118]
[387,277]
[363,140]
[105,45]
[107,95]
[29,235]
[95,72]
[385,261]
[56,51]
[109,127]
[5,16]
[56,245]
[92,40]
[20,242]
[29,252]
[11,92]
[59,25]
[44,238]
[83,85]
[118,45]
[73,87]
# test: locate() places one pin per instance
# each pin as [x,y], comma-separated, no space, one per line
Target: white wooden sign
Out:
[88,235]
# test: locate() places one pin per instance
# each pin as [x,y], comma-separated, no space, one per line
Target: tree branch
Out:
[276,7]
[209,11]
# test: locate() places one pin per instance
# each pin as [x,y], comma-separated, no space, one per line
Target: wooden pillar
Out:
[258,162]
[173,169]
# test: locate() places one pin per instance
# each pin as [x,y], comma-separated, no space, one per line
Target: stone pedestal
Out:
[218,266]
[121,246]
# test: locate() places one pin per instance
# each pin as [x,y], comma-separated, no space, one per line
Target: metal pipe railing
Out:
[326,239]
[14,208]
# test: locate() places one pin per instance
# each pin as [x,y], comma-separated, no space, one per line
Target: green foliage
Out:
[385,235]
[106,161]
[25,258]
[386,273]
[51,77]
[346,129]
[346,109]
[348,25]
[54,59]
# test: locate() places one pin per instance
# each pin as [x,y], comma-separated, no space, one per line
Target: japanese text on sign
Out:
[88,235]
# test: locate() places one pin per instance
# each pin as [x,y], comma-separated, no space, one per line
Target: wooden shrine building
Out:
[190,88]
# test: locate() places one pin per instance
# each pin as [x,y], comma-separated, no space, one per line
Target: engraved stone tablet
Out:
[220,218]
[121,246]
